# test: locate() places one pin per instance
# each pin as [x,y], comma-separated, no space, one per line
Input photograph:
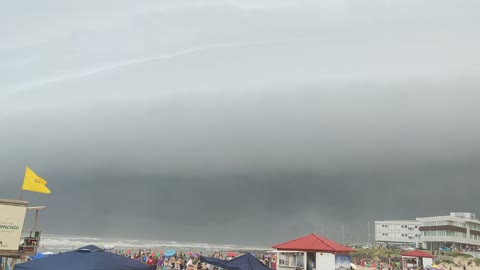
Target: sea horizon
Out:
[60,243]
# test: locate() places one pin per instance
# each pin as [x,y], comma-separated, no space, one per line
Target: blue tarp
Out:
[86,258]
[244,262]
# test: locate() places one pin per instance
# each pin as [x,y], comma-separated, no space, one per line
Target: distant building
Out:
[458,230]
[398,232]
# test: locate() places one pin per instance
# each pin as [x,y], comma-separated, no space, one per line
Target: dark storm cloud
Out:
[160,121]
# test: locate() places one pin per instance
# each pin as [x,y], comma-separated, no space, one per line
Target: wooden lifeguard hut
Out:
[13,243]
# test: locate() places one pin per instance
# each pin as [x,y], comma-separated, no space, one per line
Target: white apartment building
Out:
[458,230]
[398,232]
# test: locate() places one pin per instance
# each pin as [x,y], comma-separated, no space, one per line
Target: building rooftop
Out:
[314,243]
[399,220]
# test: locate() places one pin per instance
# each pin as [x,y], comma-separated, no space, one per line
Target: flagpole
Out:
[21,193]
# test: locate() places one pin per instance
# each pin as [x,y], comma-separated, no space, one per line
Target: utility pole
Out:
[368,228]
[342,228]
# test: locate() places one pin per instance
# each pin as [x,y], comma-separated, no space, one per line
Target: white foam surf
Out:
[64,243]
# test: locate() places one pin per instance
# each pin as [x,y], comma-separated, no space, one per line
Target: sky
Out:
[246,122]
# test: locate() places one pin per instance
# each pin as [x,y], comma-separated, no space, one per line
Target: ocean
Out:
[60,243]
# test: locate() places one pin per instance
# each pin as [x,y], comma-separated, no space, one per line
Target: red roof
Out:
[418,254]
[314,243]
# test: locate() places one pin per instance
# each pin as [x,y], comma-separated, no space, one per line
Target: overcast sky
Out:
[246,122]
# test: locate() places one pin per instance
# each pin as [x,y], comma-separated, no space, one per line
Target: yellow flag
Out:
[33,182]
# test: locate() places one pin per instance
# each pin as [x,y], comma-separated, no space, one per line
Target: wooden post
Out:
[14,261]
[36,221]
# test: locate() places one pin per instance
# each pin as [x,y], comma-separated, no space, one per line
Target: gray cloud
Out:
[241,122]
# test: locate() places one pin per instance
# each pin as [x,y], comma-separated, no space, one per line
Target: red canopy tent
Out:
[417,254]
[416,258]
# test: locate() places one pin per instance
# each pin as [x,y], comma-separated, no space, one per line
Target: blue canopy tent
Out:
[244,262]
[85,258]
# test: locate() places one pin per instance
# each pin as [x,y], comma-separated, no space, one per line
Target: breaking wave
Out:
[57,243]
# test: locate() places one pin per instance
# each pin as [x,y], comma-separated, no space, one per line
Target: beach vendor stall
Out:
[416,258]
[311,251]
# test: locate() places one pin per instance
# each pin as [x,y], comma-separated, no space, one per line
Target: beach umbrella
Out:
[38,256]
[231,254]
[170,253]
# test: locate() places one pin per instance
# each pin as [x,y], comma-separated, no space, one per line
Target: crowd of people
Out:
[186,261]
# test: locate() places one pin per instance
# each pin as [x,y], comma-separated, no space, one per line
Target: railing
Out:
[29,244]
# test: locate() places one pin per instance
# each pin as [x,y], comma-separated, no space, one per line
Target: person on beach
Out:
[150,260]
[160,262]
[190,265]
[172,262]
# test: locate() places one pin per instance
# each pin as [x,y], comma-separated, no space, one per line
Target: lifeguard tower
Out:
[12,218]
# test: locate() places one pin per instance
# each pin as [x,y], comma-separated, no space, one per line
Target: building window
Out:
[291,259]
[430,233]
